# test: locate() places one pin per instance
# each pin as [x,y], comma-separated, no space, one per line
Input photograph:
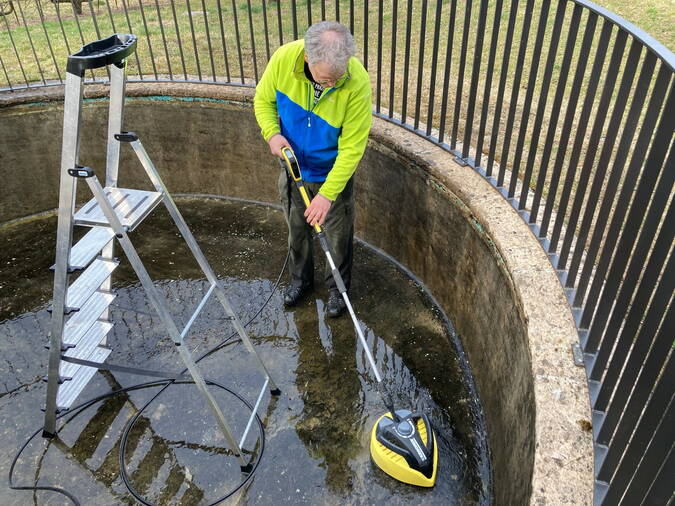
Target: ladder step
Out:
[88,282]
[88,247]
[85,347]
[82,321]
[69,390]
[131,207]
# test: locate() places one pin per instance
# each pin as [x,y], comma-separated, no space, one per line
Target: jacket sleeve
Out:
[352,141]
[265,100]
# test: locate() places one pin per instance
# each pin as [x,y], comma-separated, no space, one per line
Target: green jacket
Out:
[328,138]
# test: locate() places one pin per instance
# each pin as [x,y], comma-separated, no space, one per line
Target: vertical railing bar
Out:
[4,70]
[515,92]
[661,490]
[208,40]
[266,26]
[110,15]
[475,75]
[250,28]
[236,31]
[392,61]
[635,294]
[406,64]
[529,94]
[639,392]
[294,12]
[570,116]
[488,81]
[637,234]
[63,30]
[420,62]
[178,37]
[279,24]
[555,111]
[643,432]
[619,206]
[98,33]
[323,10]
[9,32]
[589,160]
[94,19]
[541,106]
[166,47]
[434,64]
[617,226]
[309,14]
[351,15]
[49,42]
[378,86]
[337,10]
[194,39]
[79,29]
[446,74]
[503,71]
[30,40]
[647,349]
[599,178]
[654,451]
[77,22]
[579,139]
[126,16]
[460,73]
[365,31]
[147,37]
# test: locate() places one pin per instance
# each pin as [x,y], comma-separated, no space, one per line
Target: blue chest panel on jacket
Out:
[313,139]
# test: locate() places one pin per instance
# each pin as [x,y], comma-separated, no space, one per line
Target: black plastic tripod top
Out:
[102,52]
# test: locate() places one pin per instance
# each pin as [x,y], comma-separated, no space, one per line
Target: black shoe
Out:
[294,293]
[336,304]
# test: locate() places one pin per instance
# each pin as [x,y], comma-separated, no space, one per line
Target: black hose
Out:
[166,384]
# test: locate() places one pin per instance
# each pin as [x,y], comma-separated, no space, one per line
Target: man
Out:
[315,97]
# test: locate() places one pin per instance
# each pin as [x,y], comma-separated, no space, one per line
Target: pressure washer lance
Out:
[402,442]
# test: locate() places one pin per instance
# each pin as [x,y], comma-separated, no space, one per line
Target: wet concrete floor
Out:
[316,432]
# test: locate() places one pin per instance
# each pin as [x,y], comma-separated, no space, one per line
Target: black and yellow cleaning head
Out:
[405,449]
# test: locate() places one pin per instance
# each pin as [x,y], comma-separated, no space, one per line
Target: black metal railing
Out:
[567,109]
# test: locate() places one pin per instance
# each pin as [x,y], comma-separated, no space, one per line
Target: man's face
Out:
[323,74]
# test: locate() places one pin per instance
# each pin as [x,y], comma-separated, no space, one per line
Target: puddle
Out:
[317,431]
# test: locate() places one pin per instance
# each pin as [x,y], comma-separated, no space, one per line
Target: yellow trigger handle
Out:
[288,157]
[291,161]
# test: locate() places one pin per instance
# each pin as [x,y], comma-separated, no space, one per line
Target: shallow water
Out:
[316,432]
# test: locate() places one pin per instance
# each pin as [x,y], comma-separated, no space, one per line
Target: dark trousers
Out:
[339,228]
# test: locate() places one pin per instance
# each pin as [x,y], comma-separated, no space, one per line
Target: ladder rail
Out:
[163,311]
[199,256]
[64,236]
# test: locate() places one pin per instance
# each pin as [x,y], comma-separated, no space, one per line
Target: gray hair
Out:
[330,42]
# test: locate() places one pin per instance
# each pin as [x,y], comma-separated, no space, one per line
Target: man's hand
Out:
[276,143]
[317,210]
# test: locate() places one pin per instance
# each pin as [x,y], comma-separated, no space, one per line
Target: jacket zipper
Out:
[311,99]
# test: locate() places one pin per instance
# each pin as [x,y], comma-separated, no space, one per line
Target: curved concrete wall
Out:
[441,220]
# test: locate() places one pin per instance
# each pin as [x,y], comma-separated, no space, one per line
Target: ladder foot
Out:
[247,468]
[48,435]
[275,391]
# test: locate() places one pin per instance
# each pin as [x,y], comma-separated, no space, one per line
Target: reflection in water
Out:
[329,387]
[317,431]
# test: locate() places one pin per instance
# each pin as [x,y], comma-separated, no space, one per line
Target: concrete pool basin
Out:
[440,220]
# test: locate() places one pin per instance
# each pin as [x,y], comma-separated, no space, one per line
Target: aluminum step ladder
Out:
[80,311]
